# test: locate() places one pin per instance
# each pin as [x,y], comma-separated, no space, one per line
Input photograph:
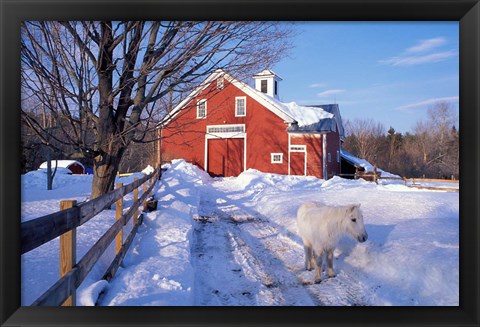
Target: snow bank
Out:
[157,271]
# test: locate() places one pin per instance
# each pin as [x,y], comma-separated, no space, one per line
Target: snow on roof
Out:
[356,161]
[61,164]
[305,115]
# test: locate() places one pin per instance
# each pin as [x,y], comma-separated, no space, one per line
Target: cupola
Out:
[267,82]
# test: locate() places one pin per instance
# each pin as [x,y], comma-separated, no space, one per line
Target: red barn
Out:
[226,127]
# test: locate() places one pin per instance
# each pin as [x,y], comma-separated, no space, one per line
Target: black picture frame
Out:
[467,12]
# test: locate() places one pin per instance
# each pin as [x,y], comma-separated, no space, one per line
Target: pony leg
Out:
[318,266]
[308,255]
[330,271]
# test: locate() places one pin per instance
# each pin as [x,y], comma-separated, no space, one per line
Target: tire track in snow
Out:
[218,279]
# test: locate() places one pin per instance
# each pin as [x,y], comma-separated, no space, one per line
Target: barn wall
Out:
[184,136]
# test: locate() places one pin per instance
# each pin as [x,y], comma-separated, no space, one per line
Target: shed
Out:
[74,166]
[353,167]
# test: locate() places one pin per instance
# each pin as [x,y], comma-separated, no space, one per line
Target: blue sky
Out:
[391,72]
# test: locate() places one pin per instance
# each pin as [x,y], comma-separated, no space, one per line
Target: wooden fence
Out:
[63,224]
[410,182]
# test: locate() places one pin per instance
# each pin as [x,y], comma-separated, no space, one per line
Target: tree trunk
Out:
[105,169]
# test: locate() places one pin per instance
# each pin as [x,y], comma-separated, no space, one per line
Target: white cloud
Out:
[426,45]
[424,52]
[330,93]
[317,85]
[428,102]
[416,60]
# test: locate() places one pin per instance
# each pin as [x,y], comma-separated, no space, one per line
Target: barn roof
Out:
[302,119]
[61,163]
[267,73]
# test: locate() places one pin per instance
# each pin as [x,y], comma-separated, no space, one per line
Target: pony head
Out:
[354,223]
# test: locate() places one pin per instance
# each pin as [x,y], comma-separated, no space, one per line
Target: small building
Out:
[353,167]
[225,127]
[74,166]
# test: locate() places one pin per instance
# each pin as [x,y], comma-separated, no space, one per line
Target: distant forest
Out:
[431,150]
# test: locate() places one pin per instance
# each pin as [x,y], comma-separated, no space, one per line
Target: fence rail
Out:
[413,181]
[37,232]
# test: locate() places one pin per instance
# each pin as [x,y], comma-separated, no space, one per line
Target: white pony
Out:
[321,227]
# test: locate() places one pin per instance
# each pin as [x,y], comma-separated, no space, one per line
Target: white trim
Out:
[199,102]
[244,98]
[272,158]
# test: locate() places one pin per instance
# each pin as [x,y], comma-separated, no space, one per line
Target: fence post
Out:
[68,251]
[118,216]
[135,199]
[145,199]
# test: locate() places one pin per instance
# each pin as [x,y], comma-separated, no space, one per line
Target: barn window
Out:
[240,106]
[298,148]
[329,157]
[263,86]
[218,129]
[277,158]
[276,87]
[338,156]
[202,109]
[220,83]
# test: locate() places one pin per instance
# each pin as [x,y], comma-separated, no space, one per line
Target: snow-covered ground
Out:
[234,241]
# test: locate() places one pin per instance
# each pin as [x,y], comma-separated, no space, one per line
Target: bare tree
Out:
[102,83]
[365,138]
[444,140]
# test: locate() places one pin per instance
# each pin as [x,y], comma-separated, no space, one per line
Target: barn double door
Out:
[225,156]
